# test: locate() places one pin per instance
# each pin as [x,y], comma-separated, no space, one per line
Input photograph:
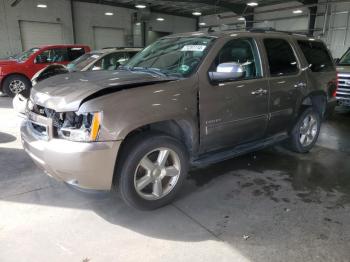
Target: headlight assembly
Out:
[81,128]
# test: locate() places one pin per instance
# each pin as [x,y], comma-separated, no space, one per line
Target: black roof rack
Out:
[271,29]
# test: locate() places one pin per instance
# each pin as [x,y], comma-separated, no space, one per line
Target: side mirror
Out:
[336,60]
[227,72]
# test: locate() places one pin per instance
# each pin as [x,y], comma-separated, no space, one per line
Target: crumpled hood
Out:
[66,92]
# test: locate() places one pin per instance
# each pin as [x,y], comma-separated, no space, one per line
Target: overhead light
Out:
[202,24]
[196,13]
[41,6]
[160,19]
[241,19]
[109,13]
[252,4]
[140,6]
[138,24]
[298,11]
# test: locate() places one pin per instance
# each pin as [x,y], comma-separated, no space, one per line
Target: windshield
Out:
[345,60]
[84,60]
[21,57]
[177,56]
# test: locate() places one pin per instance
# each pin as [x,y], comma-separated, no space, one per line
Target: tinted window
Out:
[281,57]
[52,56]
[242,51]
[75,52]
[317,56]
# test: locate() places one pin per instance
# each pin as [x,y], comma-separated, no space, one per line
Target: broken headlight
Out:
[80,128]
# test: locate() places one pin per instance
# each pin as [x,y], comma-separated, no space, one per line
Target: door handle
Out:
[300,85]
[259,92]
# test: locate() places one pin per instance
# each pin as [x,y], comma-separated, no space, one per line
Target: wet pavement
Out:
[271,205]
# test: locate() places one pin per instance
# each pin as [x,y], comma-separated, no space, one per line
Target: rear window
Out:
[282,60]
[317,56]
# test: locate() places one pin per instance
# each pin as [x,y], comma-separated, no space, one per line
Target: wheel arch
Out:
[181,129]
[9,75]
[317,99]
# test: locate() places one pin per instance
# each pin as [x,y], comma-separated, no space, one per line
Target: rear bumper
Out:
[84,165]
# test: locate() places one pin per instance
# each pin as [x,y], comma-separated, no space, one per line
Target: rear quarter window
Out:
[317,56]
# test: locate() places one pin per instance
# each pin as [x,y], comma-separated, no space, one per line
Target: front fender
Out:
[130,109]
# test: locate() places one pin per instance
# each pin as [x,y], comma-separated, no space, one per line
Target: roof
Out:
[62,45]
[116,50]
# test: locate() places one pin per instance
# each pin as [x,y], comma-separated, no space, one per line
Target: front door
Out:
[234,112]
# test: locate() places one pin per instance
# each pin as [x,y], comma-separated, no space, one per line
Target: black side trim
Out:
[215,157]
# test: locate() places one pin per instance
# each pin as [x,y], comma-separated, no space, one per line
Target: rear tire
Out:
[151,170]
[306,131]
[16,84]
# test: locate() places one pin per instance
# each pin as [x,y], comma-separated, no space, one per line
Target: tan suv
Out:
[186,100]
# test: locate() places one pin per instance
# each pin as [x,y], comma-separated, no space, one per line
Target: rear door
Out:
[234,112]
[286,81]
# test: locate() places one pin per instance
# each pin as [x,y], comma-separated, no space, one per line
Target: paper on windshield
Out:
[193,48]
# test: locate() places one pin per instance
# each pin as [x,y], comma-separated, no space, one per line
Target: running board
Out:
[218,156]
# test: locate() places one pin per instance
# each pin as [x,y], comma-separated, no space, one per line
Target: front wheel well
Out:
[179,129]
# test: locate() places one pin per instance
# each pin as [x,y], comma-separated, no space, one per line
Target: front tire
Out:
[16,84]
[152,170]
[306,131]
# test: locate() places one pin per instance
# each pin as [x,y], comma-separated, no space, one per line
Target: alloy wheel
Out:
[308,130]
[17,86]
[157,174]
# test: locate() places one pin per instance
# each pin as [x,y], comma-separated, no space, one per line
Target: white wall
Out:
[337,33]
[86,16]
[171,24]
[58,11]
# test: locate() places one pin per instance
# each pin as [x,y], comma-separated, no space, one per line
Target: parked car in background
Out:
[343,69]
[187,99]
[104,59]
[17,71]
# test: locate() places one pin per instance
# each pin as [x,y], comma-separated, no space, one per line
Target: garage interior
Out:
[269,205]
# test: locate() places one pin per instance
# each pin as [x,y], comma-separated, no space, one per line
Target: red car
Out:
[16,71]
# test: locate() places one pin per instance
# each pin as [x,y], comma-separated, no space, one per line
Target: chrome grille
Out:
[343,91]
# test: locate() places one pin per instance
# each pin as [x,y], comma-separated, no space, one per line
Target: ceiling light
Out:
[298,11]
[196,13]
[41,6]
[202,24]
[140,6]
[138,24]
[160,19]
[109,13]
[252,4]
[241,19]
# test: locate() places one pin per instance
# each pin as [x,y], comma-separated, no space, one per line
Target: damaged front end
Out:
[84,127]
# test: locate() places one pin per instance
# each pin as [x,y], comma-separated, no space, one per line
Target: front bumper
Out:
[84,165]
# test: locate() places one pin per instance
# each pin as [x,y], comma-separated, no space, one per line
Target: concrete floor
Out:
[271,205]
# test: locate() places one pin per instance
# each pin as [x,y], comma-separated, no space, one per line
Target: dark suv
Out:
[187,99]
